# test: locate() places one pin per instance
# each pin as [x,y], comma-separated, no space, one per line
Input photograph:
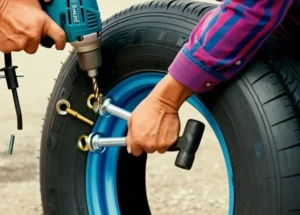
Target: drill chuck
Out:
[90,60]
[88,49]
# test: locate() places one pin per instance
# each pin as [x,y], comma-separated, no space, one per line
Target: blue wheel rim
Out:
[101,169]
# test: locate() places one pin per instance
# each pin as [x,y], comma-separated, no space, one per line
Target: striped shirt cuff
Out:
[192,76]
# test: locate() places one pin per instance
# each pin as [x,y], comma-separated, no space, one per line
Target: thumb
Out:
[128,141]
[55,32]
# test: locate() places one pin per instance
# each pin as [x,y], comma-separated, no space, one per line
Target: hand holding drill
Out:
[23,24]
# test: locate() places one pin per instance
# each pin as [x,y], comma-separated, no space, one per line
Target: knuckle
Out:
[162,148]
[133,140]
[136,151]
[20,44]
[19,47]
[134,144]
[150,148]
[34,36]
[61,36]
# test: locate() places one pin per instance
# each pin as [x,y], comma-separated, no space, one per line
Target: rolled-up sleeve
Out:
[225,40]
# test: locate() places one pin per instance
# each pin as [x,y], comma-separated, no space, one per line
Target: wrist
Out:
[171,92]
[3,5]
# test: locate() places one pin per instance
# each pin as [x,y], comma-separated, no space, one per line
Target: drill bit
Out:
[96,91]
[93,73]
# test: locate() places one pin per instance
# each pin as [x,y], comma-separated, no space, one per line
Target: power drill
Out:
[81,21]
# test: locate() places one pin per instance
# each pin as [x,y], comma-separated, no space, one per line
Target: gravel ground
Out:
[172,191]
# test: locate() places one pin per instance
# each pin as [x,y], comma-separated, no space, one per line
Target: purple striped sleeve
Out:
[225,40]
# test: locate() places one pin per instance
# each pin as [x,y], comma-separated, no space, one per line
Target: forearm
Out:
[171,92]
[225,40]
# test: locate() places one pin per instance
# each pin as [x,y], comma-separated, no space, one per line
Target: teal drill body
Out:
[81,21]
[77,17]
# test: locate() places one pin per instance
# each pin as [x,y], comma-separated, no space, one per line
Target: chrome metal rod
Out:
[97,142]
[116,111]
[108,107]
[110,141]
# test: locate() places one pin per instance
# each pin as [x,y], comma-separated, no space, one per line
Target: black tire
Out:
[257,112]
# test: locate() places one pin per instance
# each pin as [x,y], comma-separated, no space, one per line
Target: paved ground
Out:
[200,191]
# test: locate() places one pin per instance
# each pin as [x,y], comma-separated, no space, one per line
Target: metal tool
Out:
[12,84]
[11,144]
[63,107]
[107,108]
[82,24]
[187,144]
